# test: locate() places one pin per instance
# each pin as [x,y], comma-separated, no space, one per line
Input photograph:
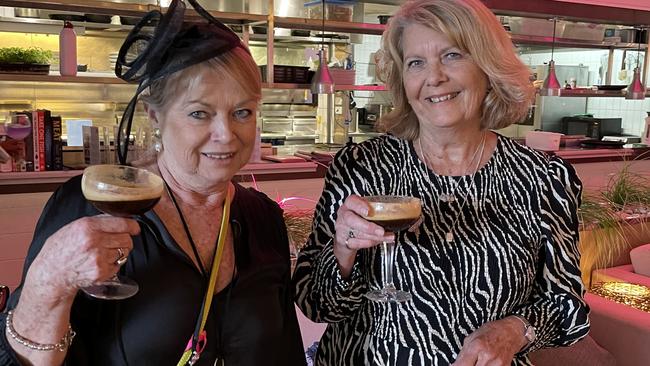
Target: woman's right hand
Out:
[80,254]
[365,234]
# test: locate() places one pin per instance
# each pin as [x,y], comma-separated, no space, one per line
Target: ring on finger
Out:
[346,243]
[121,257]
[351,234]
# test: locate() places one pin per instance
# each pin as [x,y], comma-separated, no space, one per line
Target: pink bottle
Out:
[68,50]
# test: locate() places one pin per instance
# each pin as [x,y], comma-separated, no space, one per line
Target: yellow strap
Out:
[186,357]
[223,233]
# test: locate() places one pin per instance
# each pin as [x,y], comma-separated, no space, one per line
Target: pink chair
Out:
[623,330]
[584,353]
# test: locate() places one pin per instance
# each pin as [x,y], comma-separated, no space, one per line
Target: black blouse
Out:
[252,321]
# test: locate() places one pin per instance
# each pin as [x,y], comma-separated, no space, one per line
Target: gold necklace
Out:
[449,236]
[451,196]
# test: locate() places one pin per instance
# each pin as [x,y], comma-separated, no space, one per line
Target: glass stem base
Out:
[116,288]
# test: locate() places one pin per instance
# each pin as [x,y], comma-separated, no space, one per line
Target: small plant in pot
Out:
[32,60]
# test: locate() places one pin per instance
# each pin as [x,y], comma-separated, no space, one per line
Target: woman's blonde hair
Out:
[236,64]
[474,29]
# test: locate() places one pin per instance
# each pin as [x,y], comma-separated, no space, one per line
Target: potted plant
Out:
[612,221]
[32,60]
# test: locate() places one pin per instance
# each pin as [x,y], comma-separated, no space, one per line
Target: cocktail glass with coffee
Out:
[393,213]
[121,191]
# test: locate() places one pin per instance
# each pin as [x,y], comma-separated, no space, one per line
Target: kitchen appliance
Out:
[591,127]
[288,116]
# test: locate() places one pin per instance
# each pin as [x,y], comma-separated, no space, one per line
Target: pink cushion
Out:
[620,329]
[640,257]
[624,273]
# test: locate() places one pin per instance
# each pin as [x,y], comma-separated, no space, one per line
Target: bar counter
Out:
[27,182]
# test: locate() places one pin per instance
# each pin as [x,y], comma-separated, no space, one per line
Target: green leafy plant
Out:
[31,55]
[607,231]
[628,190]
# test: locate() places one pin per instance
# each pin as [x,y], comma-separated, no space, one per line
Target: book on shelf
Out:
[44,146]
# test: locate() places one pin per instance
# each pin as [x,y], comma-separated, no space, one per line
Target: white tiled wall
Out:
[364,56]
[632,112]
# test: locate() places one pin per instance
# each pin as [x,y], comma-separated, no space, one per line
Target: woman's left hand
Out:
[494,344]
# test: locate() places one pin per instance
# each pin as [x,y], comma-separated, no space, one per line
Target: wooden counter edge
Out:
[49,181]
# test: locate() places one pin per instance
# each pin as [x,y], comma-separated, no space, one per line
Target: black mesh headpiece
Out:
[174,45]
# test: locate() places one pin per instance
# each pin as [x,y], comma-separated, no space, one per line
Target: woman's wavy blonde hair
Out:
[237,64]
[474,29]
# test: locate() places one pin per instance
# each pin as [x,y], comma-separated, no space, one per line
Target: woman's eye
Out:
[243,113]
[413,63]
[198,115]
[453,56]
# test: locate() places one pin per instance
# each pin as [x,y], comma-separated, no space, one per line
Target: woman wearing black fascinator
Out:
[200,88]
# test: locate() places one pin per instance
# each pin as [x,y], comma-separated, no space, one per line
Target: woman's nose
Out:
[435,74]
[221,130]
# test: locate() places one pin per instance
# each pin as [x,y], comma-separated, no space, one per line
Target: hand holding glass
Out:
[121,191]
[393,213]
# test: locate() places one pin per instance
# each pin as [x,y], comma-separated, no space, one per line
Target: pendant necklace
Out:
[451,196]
[449,236]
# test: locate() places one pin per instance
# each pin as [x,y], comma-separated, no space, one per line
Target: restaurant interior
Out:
[596,120]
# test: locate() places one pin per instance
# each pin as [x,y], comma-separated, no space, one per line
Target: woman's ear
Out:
[152,115]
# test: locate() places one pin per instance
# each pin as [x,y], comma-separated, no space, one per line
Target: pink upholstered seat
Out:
[584,353]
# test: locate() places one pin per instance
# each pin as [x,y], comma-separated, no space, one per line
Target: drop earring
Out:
[157,136]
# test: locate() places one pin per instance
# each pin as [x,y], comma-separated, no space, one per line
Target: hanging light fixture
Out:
[322,82]
[551,86]
[636,90]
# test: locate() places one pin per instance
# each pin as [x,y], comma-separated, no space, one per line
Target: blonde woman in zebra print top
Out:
[493,267]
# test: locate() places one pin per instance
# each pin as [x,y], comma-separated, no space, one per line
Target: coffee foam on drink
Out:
[394,210]
[116,193]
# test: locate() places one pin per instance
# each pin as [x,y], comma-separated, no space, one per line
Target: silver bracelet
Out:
[63,344]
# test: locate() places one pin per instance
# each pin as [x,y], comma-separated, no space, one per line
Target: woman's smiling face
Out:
[444,86]
[208,130]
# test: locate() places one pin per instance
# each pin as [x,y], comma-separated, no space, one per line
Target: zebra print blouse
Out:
[514,252]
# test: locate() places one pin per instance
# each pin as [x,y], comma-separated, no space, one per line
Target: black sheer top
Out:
[252,321]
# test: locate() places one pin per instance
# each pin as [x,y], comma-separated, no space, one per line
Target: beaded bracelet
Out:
[63,344]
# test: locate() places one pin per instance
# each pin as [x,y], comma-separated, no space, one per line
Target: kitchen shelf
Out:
[337,87]
[104,78]
[330,25]
[574,43]
[125,9]
[83,78]
[589,93]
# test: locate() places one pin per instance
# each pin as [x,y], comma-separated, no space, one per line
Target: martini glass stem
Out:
[388,257]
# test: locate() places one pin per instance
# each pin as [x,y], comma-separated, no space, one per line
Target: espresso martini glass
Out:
[121,191]
[393,213]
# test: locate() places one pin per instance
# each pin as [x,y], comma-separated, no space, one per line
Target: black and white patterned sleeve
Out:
[557,308]
[321,292]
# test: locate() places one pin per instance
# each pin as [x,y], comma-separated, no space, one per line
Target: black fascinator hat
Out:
[173,45]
